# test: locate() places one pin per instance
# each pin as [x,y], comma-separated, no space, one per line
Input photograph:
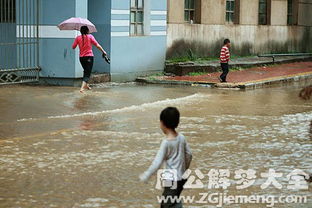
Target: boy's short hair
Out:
[226,41]
[170,117]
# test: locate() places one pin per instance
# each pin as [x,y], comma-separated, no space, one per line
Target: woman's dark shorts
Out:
[87,64]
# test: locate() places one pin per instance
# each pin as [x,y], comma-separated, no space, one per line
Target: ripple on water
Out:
[93,202]
[190,99]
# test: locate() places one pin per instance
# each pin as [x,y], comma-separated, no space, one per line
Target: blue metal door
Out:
[19,41]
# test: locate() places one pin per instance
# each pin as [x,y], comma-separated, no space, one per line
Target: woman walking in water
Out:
[85,42]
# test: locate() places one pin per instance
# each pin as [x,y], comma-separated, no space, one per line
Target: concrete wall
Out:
[178,7]
[100,15]
[206,40]
[59,62]
[57,59]
[216,14]
[248,37]
[135,55]
[279,12]
[249,12]
[130,55]
[305,13]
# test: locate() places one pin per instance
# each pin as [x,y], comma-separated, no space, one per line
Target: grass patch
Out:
[235,68]
[237,57]
[190,57]
[197,73]
[193,58]
[205,59]
[153,76]
[157,74]
[270,65]
[186,59]
[177,60]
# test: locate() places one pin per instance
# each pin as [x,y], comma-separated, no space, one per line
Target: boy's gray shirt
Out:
[176,154]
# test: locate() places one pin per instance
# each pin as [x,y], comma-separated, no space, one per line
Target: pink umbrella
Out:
[75,23]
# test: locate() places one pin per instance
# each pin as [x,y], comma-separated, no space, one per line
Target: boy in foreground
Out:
[224,59]
[174,152]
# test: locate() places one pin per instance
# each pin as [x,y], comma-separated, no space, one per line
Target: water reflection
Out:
[87,124]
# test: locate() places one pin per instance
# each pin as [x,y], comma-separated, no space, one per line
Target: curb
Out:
[100,78]
[241,85]
[275,80]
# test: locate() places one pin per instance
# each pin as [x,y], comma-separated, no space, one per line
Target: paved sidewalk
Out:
[248,78]
[210,66]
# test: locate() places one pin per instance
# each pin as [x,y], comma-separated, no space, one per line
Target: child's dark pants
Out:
[225,71]
[173,193]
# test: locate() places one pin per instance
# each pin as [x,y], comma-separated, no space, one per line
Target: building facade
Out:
[133,32]
[254,26]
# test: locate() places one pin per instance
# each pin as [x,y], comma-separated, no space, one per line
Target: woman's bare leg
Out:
[83,86]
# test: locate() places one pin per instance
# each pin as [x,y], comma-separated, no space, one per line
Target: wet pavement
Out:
[59,148]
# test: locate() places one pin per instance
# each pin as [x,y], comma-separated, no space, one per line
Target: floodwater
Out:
[61,149]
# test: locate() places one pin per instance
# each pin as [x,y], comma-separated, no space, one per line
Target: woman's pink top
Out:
[85,43]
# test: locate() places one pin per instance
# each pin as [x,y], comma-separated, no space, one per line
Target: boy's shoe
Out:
[222,81]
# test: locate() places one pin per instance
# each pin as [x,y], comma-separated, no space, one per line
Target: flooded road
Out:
[59,148]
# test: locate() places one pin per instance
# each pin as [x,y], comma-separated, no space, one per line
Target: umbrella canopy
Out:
[75,23]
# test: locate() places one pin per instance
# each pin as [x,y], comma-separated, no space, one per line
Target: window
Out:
[292,12]
[289,12]
[7,11]
[137,17]
[189,11]
[232,11]
[230,7]
[264,12]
